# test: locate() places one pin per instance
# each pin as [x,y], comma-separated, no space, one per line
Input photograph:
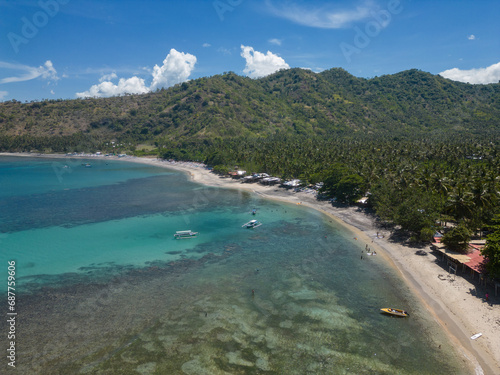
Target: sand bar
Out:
[456,303]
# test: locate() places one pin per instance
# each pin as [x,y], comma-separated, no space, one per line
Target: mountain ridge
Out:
[294,101]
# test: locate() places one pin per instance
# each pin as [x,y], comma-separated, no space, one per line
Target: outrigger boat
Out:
[181,234]
[252,224]
[396,312]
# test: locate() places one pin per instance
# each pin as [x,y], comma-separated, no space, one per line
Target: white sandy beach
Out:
[455,302]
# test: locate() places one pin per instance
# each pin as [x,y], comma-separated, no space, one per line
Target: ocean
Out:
[102,286]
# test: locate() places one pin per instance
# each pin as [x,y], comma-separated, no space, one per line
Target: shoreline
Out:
[455,304]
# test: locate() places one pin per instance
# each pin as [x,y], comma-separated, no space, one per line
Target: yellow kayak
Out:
[396,312]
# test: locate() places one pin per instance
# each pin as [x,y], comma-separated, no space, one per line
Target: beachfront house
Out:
[237,174]
[471,262]
[291,184]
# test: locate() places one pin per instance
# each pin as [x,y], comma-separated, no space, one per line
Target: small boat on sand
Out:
[252,224]
[181,234]
[395,312]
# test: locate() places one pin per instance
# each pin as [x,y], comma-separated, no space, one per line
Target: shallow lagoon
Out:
[106,289]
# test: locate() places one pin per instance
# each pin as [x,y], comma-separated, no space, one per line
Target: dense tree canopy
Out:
[492,248]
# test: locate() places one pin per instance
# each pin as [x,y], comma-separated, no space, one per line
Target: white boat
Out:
[252,224]
[181,234]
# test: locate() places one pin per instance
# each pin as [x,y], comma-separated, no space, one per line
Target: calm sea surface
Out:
[103,288]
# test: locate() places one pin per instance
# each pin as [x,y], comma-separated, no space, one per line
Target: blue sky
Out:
[52,49]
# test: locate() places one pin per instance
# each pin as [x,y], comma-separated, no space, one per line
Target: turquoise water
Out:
[107,289]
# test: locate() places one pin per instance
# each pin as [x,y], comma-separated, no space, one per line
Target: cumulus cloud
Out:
[108,77]
[176,68]
[260,65]
[45,71]
[275,41]
[326,17]
[471,37]
[133,85]
[490,74]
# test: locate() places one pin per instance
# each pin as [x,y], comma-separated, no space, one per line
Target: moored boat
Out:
[181,234]
[252,224]
[395,312]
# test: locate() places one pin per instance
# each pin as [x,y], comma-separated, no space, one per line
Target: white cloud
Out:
[176,68]
[260,65]
[490,74]
[133,85]
[471,37]
[3,94]
[275,41]
[326,17]
[45,71]
[206,45]
[108,77]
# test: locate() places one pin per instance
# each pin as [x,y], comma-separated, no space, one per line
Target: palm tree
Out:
[440,184]
[460,203]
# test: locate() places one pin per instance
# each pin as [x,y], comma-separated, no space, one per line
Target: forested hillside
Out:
[293,101]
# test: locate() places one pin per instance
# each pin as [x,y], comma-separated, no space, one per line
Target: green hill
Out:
[293,101]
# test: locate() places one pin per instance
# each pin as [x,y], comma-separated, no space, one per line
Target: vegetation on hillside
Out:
[293,101]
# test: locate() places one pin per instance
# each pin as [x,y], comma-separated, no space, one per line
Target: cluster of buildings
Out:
[265,179]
